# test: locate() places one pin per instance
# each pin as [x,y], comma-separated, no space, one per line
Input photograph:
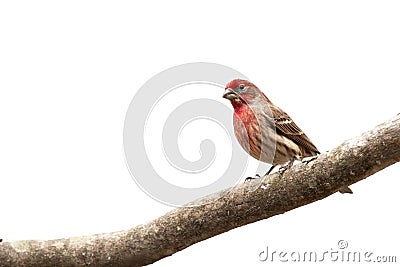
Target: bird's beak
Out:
[229,94]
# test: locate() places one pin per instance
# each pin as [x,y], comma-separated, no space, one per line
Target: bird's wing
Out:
[286,126]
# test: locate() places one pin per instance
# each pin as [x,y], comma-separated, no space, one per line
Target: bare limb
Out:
[350,162]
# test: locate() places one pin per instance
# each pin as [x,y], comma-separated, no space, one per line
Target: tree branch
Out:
[349,163]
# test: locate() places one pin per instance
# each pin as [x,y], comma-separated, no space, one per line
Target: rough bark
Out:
[348,163]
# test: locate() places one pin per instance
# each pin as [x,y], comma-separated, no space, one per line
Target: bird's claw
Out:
[283,168]
[252,178]
[309,159]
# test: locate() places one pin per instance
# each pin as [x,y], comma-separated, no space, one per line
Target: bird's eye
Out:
[241,87]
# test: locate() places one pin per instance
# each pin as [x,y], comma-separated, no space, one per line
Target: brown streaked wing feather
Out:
[286,126]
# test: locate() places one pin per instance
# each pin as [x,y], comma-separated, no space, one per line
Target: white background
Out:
[68,71]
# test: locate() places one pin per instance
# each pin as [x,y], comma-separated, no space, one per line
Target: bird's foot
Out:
[252,178]
[286,166]
[283,168]
[309,159]
[270,170]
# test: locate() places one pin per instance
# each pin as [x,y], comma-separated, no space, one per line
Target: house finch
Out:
[264,130]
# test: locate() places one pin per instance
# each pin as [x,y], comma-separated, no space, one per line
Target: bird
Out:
[265,131]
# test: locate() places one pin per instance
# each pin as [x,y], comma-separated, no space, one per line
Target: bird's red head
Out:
[237,82]
[241,92]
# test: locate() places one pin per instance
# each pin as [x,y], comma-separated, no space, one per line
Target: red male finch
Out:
[264,130]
